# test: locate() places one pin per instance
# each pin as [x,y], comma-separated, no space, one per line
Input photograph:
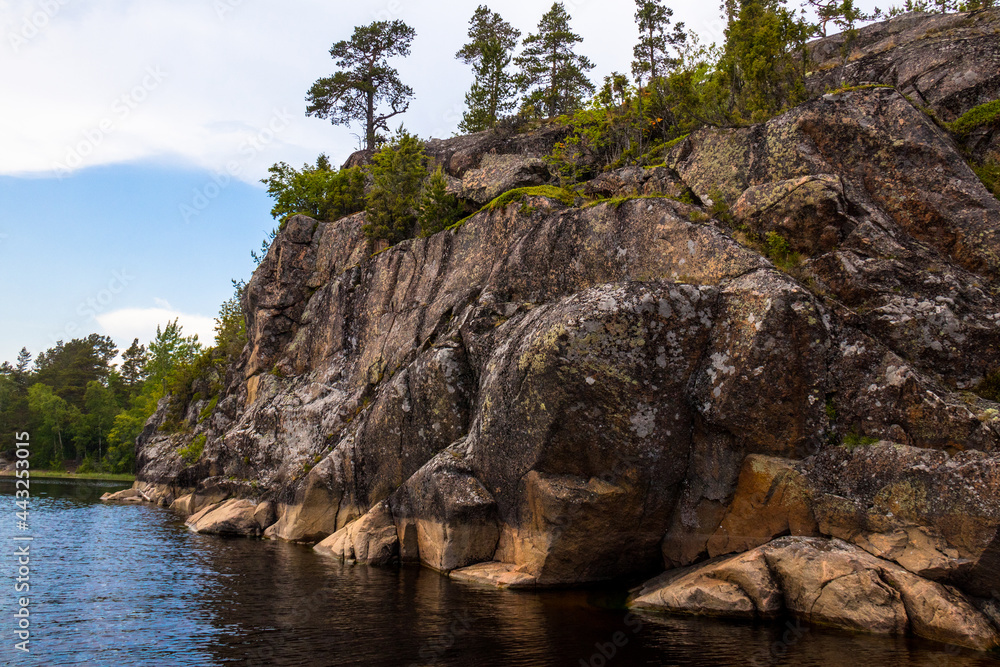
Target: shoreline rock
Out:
[554,395]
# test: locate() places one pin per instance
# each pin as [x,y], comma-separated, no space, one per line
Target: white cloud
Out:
[194,82]
[127,324]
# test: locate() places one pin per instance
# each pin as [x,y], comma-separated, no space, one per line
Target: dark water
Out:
[130,585]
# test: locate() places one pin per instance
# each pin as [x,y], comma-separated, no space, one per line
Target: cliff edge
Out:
[566,389]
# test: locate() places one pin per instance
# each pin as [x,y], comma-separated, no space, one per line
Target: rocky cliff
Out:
[562,391]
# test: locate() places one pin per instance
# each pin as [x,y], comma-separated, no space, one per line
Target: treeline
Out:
[82,407]
[676,85]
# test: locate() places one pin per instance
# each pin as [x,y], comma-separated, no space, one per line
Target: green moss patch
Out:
[192,453]
[208,409]
[866,86]
[989,174]
[984,114]
[520,194]
[853,440]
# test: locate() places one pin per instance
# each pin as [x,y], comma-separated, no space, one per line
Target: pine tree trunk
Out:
[370,122]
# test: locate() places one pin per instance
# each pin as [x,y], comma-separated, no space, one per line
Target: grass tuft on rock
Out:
[853,440]
[192,453]
[520,194]
[976,117]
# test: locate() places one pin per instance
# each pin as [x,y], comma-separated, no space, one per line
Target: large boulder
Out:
[372,539]
[497,174]
[232,517]
[826,582]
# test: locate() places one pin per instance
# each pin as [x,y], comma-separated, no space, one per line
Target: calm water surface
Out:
[130,585]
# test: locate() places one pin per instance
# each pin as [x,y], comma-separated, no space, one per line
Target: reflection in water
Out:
[130,585]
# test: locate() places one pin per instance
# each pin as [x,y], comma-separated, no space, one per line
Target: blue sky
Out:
[120,118]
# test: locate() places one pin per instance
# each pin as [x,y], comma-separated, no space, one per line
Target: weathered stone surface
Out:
[949,62]
[500,575]
[741,586]
[934,514]
[372,539]
[191,503]
[499,173]
[635,181]
[555,395]
[810,211]
[265,514]
[450,514]
[459,155]
[232,517]
[130,495]
[315,510]
[827,582]
[772,498]
[910,248]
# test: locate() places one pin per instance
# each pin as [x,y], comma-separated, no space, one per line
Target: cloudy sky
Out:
[133,136]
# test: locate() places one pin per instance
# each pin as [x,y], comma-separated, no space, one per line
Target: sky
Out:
[133,137]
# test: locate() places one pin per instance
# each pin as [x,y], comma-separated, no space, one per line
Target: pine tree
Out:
[22,369]
[365,80]
[653,56]
[170,348]
[764,59]
[489,53]
[133,370]
[552,75]
[231,327]
[438,208]
[398,172]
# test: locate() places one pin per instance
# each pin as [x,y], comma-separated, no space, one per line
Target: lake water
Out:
[130,585]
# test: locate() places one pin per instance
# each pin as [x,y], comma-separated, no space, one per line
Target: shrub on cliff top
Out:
[438,209]
[398,174]
[318,191]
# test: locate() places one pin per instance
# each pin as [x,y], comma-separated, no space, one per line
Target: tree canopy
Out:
[365,82]
[655,53]
[319,190]
[764,59]
[398,172]
[553,76]
[489,52]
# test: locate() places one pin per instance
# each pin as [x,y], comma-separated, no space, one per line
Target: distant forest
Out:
[82,408]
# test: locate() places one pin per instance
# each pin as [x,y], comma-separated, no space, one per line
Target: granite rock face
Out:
[826,582]
[948,62]
[552,394]
[888,216]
